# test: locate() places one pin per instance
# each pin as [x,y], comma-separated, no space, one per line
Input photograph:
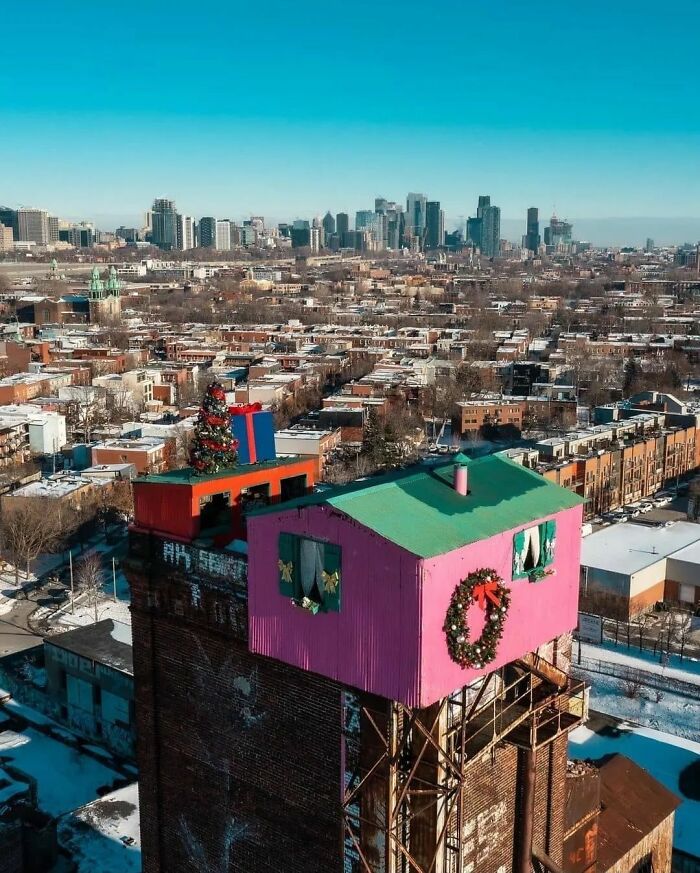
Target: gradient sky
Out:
[287,109]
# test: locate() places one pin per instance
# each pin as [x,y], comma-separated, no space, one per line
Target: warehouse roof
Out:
[629,547]
[418,508]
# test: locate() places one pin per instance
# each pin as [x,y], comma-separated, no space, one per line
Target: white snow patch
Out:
[103,837]
[66,779]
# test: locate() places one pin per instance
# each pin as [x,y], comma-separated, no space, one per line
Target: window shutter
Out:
[519,542]
[332,578]
[550,536]
[287,564]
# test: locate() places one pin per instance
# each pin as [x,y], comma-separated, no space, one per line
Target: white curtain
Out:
[311,558]
[533,542]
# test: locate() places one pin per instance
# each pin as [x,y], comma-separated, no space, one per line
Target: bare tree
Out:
[29,528]
[85,411]
[89,575]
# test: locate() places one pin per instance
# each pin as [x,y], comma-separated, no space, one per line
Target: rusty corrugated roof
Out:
[633,803]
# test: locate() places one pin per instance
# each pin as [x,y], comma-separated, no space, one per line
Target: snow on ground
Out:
[66,779]
[84,612]
[93,835]
[664,710]
[687,670]
[662,755]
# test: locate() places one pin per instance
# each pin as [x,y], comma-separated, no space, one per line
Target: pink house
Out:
[367,585]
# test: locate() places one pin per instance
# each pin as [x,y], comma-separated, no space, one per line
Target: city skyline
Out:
[609,136]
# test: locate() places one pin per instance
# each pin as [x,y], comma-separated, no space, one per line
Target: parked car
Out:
[646,507]
[662,501]
[632,511]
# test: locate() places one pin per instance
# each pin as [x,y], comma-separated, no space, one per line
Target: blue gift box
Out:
[255,431]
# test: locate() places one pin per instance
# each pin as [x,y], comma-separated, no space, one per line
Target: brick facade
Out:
[239,756]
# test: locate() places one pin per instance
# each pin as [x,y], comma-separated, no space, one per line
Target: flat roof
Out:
[106,642]
[188,476]
[628,547]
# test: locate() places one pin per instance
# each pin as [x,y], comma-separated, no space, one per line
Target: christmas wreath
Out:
[486,588]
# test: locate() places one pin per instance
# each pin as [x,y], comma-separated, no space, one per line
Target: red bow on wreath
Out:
[487,591]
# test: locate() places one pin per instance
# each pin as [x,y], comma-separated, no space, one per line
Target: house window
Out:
[533,549]
[310,572]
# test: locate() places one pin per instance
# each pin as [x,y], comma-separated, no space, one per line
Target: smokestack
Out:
[461,479]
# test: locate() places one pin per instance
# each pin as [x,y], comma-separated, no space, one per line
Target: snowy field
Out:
[687,670]
[662,755]
[654,704]
[103,837]
[66,779]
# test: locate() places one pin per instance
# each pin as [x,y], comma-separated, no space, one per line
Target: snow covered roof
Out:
[628,548]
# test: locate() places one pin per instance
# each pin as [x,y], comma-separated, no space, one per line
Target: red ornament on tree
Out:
[214,446]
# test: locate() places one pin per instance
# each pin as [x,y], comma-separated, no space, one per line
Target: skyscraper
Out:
[532,234]
[207,232]
[342,228]
[33,226]
[185,232]
[416,216]
[474,227]
[164,223]
[558,233]
[328,224]
[8,217]
[223,235]
[435,225]
[490,227]
[301,234]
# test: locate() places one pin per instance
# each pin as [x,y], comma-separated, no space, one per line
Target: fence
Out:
[659,681]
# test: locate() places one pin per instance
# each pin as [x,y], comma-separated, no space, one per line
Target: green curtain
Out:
[549,537]
[288,576]
[519,554]
[332,578]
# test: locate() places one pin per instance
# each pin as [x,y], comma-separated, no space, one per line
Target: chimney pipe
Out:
[461,479]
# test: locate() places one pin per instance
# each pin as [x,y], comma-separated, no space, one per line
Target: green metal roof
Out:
[419,510]
[187,475]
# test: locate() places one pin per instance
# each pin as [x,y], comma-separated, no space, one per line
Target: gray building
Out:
[207,232]
[90,675]
[435,225]
[490,227]
[532,239]
[164,224]
[328,224]
[416,206]
[33,226]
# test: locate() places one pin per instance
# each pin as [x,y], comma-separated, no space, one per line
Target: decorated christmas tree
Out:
[213,446]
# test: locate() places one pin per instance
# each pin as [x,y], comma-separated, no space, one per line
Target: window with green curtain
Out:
[533,549]
[310,571]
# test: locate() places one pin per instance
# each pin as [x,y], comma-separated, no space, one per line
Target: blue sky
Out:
[287,109]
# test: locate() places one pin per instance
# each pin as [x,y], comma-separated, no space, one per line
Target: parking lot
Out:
[661,511]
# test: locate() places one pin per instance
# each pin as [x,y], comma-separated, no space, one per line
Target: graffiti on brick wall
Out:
[219,564]
[224,695]
[482,835]
[212,856]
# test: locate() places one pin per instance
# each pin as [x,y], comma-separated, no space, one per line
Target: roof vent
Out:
[461,479]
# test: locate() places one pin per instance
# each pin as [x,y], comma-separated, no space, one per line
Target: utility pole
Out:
[114,579]
[72,587]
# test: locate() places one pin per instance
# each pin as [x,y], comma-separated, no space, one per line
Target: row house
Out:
[608,478]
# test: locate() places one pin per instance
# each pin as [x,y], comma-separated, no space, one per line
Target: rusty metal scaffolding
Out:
[403,807]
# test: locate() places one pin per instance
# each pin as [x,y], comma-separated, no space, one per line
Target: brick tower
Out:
[366,680]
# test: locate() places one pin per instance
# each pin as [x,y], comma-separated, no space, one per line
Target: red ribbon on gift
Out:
[247,409]
[487,591]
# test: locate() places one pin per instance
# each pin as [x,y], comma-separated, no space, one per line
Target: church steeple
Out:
[114,283]
[96,286]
